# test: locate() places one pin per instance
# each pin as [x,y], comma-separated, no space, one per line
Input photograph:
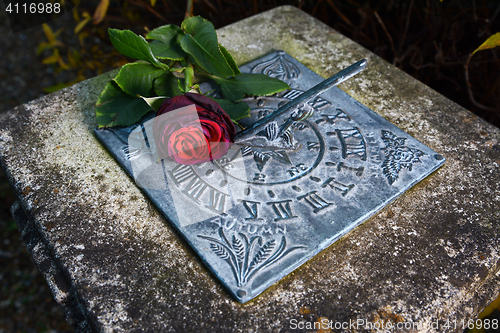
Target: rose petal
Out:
[189,146]
[192,134]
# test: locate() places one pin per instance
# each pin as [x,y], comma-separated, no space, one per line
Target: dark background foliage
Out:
[431,40]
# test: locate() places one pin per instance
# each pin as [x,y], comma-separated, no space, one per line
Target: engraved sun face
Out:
[270,166]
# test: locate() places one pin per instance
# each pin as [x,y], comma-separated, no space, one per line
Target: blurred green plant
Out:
[83,60]
[88,62]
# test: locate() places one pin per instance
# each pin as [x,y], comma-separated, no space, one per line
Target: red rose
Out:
[192,128]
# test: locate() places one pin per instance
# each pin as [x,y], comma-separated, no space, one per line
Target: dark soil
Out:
[429,39]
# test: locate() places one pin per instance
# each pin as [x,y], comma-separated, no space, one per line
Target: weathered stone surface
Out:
[431,255]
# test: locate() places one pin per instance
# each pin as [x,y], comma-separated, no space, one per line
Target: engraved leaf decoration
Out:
[398,156]
[223,251]
[389,138]
[220,251]
[239,249]
[263,254]
[391,168]
[281,252]
[238,253]
[278,67]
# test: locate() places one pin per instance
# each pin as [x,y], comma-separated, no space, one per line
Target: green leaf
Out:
[164,51]
[236,111]
[250,84]
[490,43]
[166,44]
[117,108]
[230,89]
[200,41]
[137,78]
[134,46]
[167,85]
[230,60]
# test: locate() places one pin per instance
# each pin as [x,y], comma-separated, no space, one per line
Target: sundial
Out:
[309,166]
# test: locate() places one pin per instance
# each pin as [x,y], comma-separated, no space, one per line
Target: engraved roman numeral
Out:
[293,94]
[316,202]
[195,188]
[297,169]
[332,118]
[217,200]
[181,173]
[335,185]
[313,146]
[353,143]
[252,208]
[320,104]
[300,126]
[282,209]
[357,171]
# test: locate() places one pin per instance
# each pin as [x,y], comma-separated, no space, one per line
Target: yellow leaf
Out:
[63,64]
[153,3]
[73,58]
[76,17]
[490,43]
[42,46]
[56,43]
[89,64]
[82,24]
[82,36]
[51,36]
[48,32]
[50,60]
[58,32]
[54,88]
[100,11]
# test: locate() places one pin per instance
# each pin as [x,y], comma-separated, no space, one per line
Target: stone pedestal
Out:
[429,259]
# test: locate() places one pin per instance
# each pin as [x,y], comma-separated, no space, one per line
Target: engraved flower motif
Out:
[398,156]
[403,155]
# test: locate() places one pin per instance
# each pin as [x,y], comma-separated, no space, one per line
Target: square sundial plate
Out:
[256,214]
